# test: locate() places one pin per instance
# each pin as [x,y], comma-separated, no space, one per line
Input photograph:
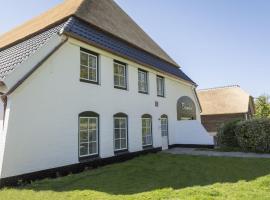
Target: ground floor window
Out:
[120,132]
[147,130]
[88,134]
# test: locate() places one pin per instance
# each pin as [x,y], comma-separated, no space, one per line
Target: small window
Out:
[164,125]
[89,66]
[120,77]
[143,81]
[146,130]
[120,132]
[88,134]
[160,86]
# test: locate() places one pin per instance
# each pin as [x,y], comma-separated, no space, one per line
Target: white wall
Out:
[42,129]
[191,132]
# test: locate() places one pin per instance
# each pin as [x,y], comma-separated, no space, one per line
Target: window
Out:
[146,130]
[120,132]
[160,86]
[120,77]
[164,125]
[88,134]
[186,109]
[143,81]
[89,66]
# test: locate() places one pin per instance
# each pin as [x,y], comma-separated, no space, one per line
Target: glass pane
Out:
[83,136]
[116,123]
[83,123]
[92,123]
[116,71]
[122,81]
[143,123]
[92,74]
[84,72]
[116,80]
[144,132]
[92,136]
[121,70]
[84,59]
[123,143]
[92,61]
[83,149]
[93,148]
[144,141]
[116,133]
[123,123]
[117,144]
[123,133]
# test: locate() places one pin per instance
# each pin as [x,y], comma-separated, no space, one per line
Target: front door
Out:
[164,132]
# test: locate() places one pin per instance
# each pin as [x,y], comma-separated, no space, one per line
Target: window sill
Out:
[88,158]
[143,92]
[148,147]
[87,81]
[121,152]
[161,96]
[120,88]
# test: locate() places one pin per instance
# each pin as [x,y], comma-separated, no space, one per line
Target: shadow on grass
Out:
[157,171]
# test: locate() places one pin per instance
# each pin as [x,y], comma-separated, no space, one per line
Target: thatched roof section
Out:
[104,14]
[224,100]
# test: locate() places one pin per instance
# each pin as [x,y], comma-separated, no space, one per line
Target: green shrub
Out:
[254,135]
[226,135]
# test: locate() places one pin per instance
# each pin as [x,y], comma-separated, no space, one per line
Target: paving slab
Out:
[199,152]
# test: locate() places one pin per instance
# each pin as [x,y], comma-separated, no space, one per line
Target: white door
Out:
[164,132]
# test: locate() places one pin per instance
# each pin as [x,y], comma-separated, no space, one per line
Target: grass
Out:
[157,176]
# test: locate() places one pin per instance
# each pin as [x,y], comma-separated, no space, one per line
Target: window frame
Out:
[92,54]
[162,85]
[120,116]
[148,117]
[88,115]
[167,125]
[125,75]
[147,81]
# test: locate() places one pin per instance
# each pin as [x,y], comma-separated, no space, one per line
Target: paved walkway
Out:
[197,152]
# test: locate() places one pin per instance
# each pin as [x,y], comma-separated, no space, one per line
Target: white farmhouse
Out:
[84,85]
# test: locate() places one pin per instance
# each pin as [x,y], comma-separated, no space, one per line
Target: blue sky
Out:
[216,43]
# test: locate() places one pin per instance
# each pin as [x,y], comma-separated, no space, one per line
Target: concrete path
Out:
[197,152]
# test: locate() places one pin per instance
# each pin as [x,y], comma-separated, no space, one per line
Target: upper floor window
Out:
[88,134]
[160,86]
[146,130]
[120,132]
[143,81]
[89,66]
[120,75]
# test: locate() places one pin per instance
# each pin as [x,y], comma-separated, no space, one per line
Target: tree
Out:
[262,106]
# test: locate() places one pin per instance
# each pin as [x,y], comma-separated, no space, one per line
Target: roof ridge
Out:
[220,87]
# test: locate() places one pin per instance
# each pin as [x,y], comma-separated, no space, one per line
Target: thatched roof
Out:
[224,100]
[104,14]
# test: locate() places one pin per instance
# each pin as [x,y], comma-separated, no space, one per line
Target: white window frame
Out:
[89,67]
[145,82]
[161,91]
[149,135]
[120,75]
[166,130]
[120,138]
[88,130]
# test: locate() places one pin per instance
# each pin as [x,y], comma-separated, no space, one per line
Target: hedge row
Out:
[252,135]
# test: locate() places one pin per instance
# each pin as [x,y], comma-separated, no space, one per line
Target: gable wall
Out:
[42,128]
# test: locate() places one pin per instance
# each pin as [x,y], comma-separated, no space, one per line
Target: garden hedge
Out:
[254,135]
[226,134]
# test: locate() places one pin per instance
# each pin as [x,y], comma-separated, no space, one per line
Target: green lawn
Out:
[158,176]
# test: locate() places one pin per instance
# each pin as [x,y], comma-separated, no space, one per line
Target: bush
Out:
[254,135]
[226,135]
